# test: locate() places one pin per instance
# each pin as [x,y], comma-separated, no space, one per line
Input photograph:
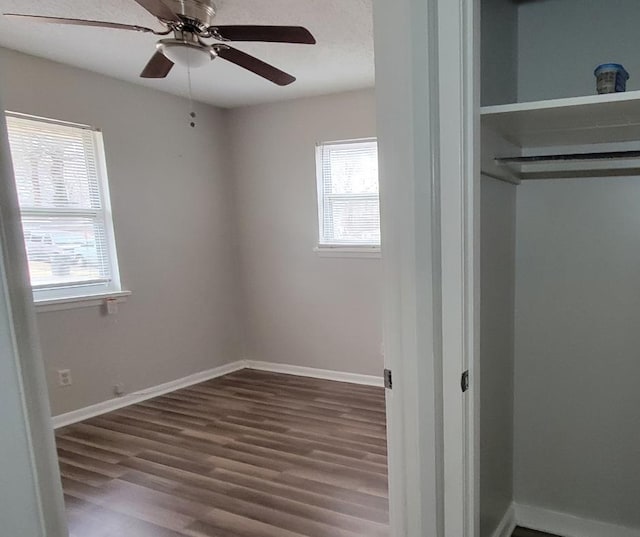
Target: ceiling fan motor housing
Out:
[197,13]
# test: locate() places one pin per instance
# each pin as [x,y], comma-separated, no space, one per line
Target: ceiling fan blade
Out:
[80,22]
[159,9]
[254,65]
[273,34]
[158,67]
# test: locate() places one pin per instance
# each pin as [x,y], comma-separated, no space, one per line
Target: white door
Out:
[30,492]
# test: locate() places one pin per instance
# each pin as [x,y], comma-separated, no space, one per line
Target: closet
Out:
[560,270]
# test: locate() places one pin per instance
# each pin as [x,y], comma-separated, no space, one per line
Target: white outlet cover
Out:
[64,377]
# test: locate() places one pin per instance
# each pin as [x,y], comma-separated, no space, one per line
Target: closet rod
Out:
[603,155]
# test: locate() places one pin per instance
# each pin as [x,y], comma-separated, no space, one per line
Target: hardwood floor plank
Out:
[88,477]
[89,463]
[71,445]
[221,521]
[98,521]
[312,498]
[248,499]
[117,497]
[250,454]
[96,438]
[336,491]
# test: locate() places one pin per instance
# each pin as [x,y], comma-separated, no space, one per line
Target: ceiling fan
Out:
[190,22]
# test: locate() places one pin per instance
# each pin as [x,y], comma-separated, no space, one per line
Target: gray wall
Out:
[499,57]
[562,41]
[497,288]
[193,305]
[577,424]
[300,308]
[171,192]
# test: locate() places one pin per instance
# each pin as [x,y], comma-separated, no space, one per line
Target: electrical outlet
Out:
[118,389]
[64,377]
[111,306]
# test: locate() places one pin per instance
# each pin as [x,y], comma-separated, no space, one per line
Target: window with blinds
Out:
[63,195]
[348,199]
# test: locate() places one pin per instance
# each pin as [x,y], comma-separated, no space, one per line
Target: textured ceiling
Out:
[342,59]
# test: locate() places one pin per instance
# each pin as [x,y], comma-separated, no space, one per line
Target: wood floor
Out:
[250,454]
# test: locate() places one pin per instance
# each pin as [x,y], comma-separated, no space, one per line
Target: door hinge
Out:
[464,381]
[388,382]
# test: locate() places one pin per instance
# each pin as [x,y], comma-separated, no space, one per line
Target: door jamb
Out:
[427,68]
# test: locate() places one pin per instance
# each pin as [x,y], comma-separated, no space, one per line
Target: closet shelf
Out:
[596,119]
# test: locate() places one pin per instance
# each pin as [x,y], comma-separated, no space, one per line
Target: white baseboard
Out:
[565,525]
[507,524]
[327,374]
[62,420]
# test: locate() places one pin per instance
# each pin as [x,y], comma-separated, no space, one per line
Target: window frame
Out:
[71,295]
[340,249]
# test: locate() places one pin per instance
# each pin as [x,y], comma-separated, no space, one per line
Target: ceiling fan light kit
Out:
[186,49]
[191,22]
[184,53]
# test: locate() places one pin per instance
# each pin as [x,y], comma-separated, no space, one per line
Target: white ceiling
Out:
[342,59]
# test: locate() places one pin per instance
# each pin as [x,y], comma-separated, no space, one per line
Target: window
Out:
[348,200]
[64,203]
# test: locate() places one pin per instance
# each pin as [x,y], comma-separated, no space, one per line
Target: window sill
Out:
[73,302]
[371,252]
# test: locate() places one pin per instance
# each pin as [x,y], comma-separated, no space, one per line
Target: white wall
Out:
[561,42]
[300,308]
[498,212]
[577,424]
[171,192]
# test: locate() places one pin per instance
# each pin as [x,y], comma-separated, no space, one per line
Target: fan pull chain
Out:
[192,114]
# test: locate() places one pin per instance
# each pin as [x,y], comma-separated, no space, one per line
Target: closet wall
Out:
[498,207]
[562,41]
[577,424]
[498,199]
[577,359]
[499,52]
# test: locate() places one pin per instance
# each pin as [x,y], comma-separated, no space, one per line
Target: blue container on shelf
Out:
[612,78]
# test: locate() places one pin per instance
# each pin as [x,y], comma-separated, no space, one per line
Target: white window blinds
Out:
[348,199]
[64,206]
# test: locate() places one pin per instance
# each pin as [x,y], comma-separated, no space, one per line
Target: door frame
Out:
[427,90]
[427,69]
